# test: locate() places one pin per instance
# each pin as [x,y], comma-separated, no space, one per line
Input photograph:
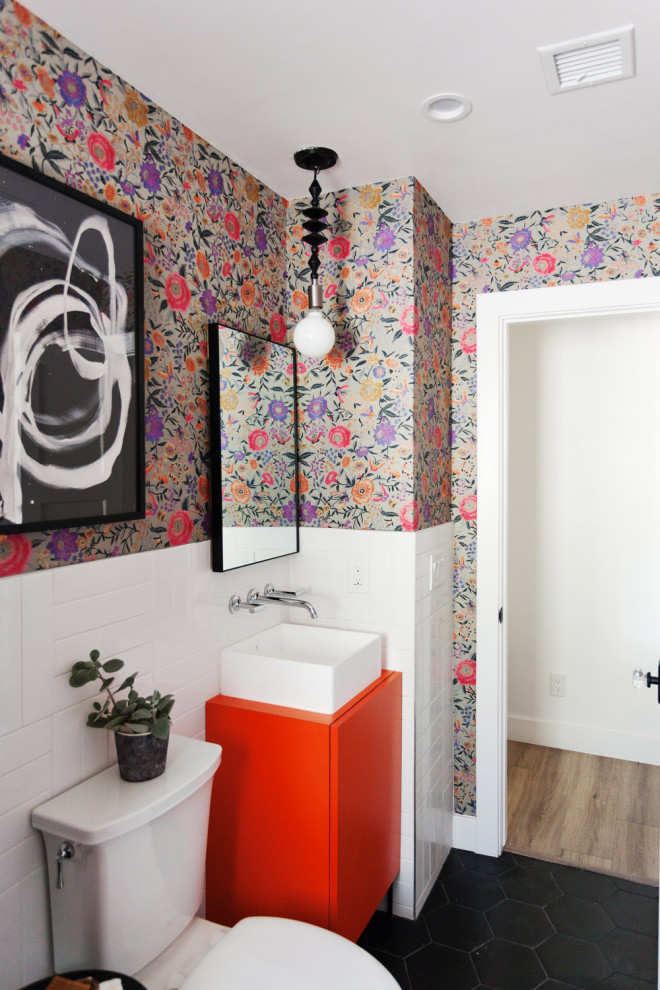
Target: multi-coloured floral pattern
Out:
[364,407]
[213,252]
[591,242]
[258,444]
[432,360]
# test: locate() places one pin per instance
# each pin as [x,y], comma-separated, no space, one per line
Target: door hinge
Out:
[500,615]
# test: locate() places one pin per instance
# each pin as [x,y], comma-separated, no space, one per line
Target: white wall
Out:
[434,737]
[584,525]
[415,624]
[165,613]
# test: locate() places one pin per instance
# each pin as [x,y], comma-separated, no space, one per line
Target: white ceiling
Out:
[261,78]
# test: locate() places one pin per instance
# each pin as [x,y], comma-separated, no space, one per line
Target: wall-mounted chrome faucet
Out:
[256,602]
[290,598]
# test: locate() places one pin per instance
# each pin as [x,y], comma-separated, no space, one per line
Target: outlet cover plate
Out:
[358,575]
[558,685]
[436,565]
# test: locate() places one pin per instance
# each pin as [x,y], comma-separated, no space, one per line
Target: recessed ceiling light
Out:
[447,107]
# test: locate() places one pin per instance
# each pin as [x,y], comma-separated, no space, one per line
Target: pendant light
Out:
[313,335]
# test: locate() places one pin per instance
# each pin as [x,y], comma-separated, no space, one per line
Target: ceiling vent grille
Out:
[590,61]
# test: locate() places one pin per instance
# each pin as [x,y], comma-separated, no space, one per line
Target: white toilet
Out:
[126,877]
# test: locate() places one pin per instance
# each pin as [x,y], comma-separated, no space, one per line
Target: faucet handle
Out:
[270,590]
[235,604]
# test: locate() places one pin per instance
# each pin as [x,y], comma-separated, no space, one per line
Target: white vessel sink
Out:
[306,667]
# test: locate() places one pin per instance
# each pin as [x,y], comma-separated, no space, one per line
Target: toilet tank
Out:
[136,877]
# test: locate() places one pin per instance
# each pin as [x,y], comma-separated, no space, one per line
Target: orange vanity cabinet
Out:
[306,809]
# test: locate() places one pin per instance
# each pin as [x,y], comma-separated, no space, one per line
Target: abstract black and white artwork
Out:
[71,366]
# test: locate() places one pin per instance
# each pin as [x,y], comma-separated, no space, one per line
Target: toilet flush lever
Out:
[65,851]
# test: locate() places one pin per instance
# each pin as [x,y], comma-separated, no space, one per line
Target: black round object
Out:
[315,158]
[100,975]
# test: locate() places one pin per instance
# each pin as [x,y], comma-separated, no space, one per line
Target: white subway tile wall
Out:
[433,708]
[165,613]
[415,625]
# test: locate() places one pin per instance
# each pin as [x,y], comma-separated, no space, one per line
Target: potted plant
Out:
[141,726]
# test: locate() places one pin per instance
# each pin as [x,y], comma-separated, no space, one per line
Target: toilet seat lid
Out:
[280,954]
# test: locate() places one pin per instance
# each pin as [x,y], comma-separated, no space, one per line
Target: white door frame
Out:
[496,312]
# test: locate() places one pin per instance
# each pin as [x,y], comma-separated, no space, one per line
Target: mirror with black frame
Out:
[254,449]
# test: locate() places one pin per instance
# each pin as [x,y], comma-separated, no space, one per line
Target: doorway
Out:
[583,585]
[498,316]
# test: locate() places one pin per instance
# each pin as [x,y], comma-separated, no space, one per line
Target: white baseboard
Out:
[584,739]
[464,832]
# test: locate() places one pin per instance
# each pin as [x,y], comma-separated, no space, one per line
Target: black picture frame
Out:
[71,356]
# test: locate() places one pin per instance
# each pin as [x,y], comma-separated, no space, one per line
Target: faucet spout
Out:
[270,595]
[294,603]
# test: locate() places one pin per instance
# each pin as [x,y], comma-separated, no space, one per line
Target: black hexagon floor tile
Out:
[436,899]
[519,922]
[540,865]
[474,890]
[644,889]
[398,936]
[489,865]
[634,912]
[579,918]
[574,961]
[631,954]
[617,981]
[453,864]
[507,922]
[584,883]
[458,927]
[436,967]
[531,886]
[506,966]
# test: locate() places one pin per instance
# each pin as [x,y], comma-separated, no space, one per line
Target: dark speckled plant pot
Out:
[140,757]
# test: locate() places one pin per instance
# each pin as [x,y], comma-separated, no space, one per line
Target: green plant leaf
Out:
[94,655]
[161,728]
[127,683]
[80,677]
[139,728]
[114,722]
[142,715]
[112,666]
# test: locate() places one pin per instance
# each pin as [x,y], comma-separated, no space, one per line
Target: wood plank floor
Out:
[588,811]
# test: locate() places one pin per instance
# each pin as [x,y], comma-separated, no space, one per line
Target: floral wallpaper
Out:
[585,243]
[367,460]
[373,413]
[213,251]
[432,345]
[257,438]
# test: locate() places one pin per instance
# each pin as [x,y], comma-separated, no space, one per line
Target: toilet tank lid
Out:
[105,806]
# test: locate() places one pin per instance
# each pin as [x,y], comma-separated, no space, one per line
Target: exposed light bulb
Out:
[314,336]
